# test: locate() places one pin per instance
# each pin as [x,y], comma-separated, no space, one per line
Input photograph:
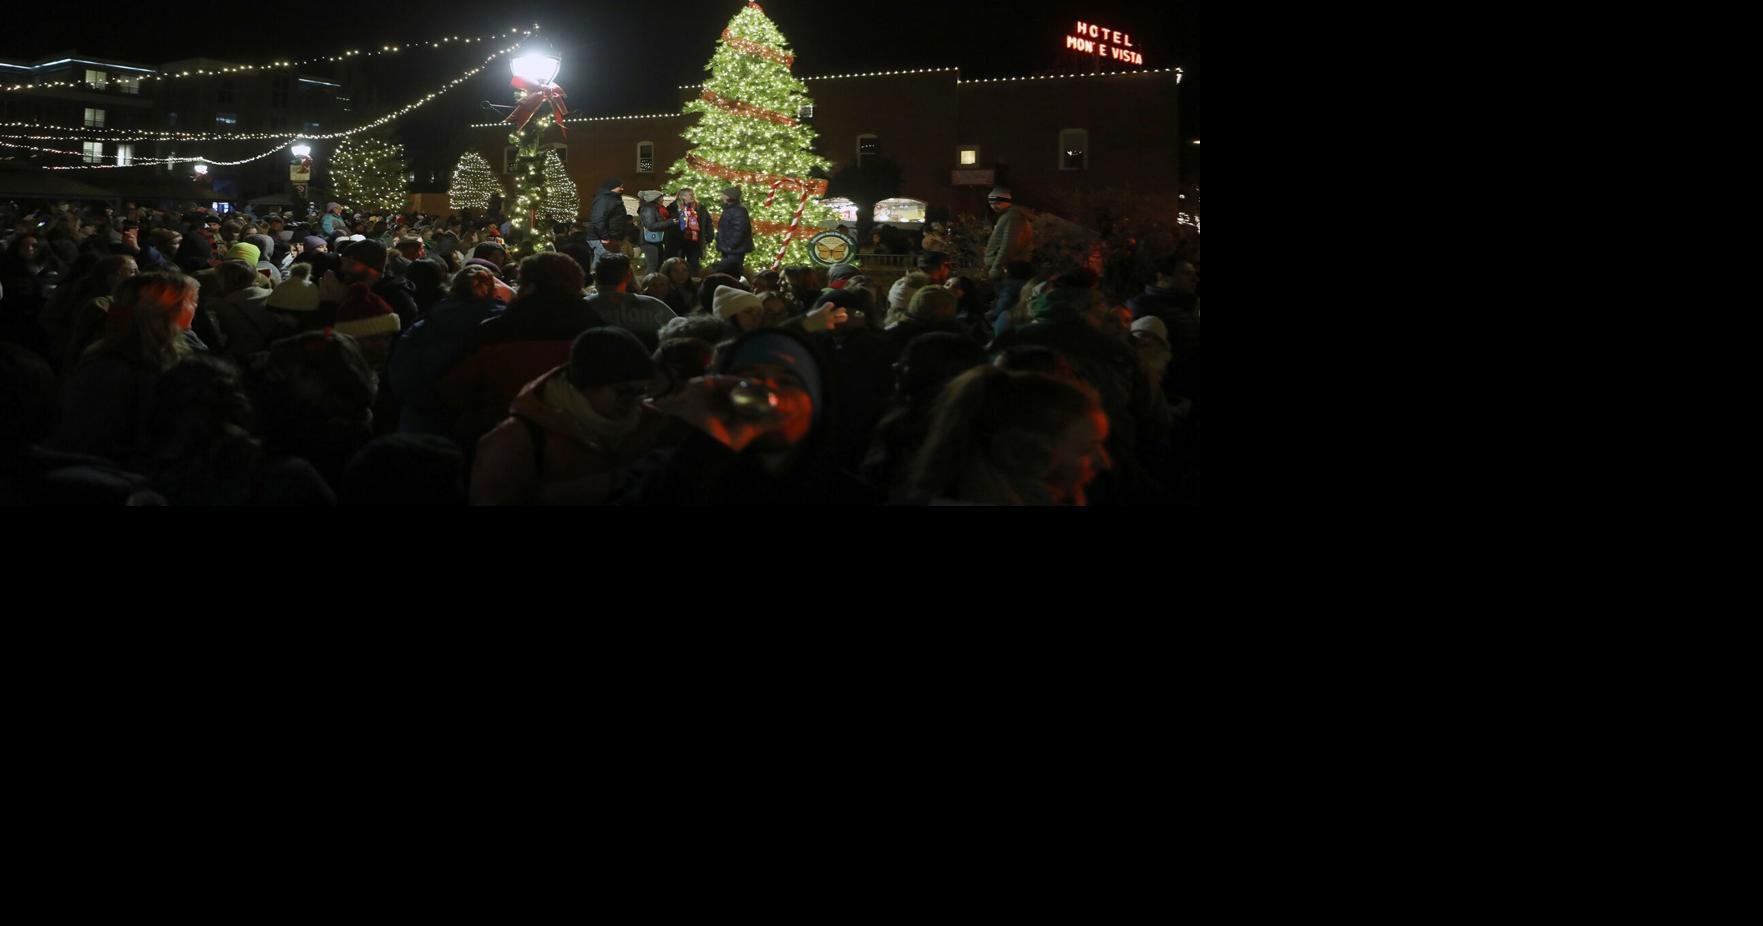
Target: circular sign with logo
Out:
[828,248]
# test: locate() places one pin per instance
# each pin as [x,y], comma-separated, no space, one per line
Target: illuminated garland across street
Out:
[285,65]
[744,109]
[79,132]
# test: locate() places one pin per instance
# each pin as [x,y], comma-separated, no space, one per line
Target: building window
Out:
[868,144]
[97,79]
[125,155]
[226,91]
[903,211]
[1074,149]
[969,157]
[806,112]
[226,119]
[94,118]
[127,84]
[646,157]
[94,152]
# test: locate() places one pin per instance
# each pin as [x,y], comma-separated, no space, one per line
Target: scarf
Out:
[688,222]
[595,429]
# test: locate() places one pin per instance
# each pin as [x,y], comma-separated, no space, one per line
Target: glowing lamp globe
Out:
[202,169]
[536,68]
[301,151]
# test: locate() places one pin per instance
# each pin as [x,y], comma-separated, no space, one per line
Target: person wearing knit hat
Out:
[245,251]
[840,276]
[900,296]
[1064,303]
[1013,237]
[573,432]
[296,294]
[738,307]
[762,431]
[1152,326]
[504,292]
[314,244]
[363,315]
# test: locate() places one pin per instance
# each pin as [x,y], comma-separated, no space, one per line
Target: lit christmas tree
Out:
[473,183]
[531,196]
[562,203]
[368,172]
[749,136]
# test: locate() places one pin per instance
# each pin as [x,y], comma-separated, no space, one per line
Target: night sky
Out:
[618,58]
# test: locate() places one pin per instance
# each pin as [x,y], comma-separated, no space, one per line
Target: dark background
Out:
[618,58]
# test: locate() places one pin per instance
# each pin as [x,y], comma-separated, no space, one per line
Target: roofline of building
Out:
[74,57]
[981,80]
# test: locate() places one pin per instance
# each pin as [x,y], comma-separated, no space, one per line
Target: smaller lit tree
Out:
[368,172]
[562,202]
[473,183]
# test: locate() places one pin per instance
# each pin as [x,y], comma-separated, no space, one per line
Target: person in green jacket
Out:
[1013,238]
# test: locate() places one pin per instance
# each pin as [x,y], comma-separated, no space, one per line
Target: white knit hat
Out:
[297,293]
[730,302]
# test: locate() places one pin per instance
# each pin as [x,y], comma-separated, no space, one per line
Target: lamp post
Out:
[535,87]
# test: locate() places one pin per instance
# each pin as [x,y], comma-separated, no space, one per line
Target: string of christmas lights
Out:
[983,80]
[448,42]
[80,132]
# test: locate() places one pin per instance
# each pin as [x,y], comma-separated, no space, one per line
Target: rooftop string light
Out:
[448,42]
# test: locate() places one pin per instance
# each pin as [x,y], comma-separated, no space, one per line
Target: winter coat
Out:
[333,224]
[106,405]
[400,294]
[641,315]
[608,219]
[509,350]
[195,252]
[426,351]
[550,452]
[1182,320]
[651,215]
[734,231]
[1013,239]
[248,325]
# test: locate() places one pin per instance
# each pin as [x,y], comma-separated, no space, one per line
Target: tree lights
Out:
[562,202]
[747,137]
[535,89]
[368,173]
[473,183]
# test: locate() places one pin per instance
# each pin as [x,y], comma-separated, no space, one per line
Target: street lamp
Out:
[301,150]
[201,170]
[536,67]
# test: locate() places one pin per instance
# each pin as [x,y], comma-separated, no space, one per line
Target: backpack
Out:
[653,237]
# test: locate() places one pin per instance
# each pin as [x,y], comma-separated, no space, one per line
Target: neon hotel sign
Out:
[1092,39]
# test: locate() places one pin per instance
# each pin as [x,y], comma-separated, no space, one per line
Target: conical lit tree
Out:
[749,136]
[562,202]
[368,173]
[473,183]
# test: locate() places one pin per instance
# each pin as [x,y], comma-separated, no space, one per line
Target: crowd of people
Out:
[183,357]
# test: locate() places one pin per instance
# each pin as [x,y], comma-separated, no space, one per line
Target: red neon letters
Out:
[1092,39]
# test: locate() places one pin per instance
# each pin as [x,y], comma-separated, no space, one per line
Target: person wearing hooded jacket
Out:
[734,234]
[573,432]
[784,456]
[653,224]
[608,219]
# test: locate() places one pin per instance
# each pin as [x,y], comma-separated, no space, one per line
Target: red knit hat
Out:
[362,314]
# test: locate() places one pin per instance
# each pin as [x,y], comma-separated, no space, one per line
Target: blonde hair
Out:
[149,305]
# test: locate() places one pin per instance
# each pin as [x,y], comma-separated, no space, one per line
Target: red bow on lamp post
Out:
[538,95]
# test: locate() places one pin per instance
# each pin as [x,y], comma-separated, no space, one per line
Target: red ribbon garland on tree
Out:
[815,187]
[537,96]
[738,108]
[757,50]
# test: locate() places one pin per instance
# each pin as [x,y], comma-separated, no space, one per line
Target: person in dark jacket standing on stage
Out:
[734,234]
[609,221]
